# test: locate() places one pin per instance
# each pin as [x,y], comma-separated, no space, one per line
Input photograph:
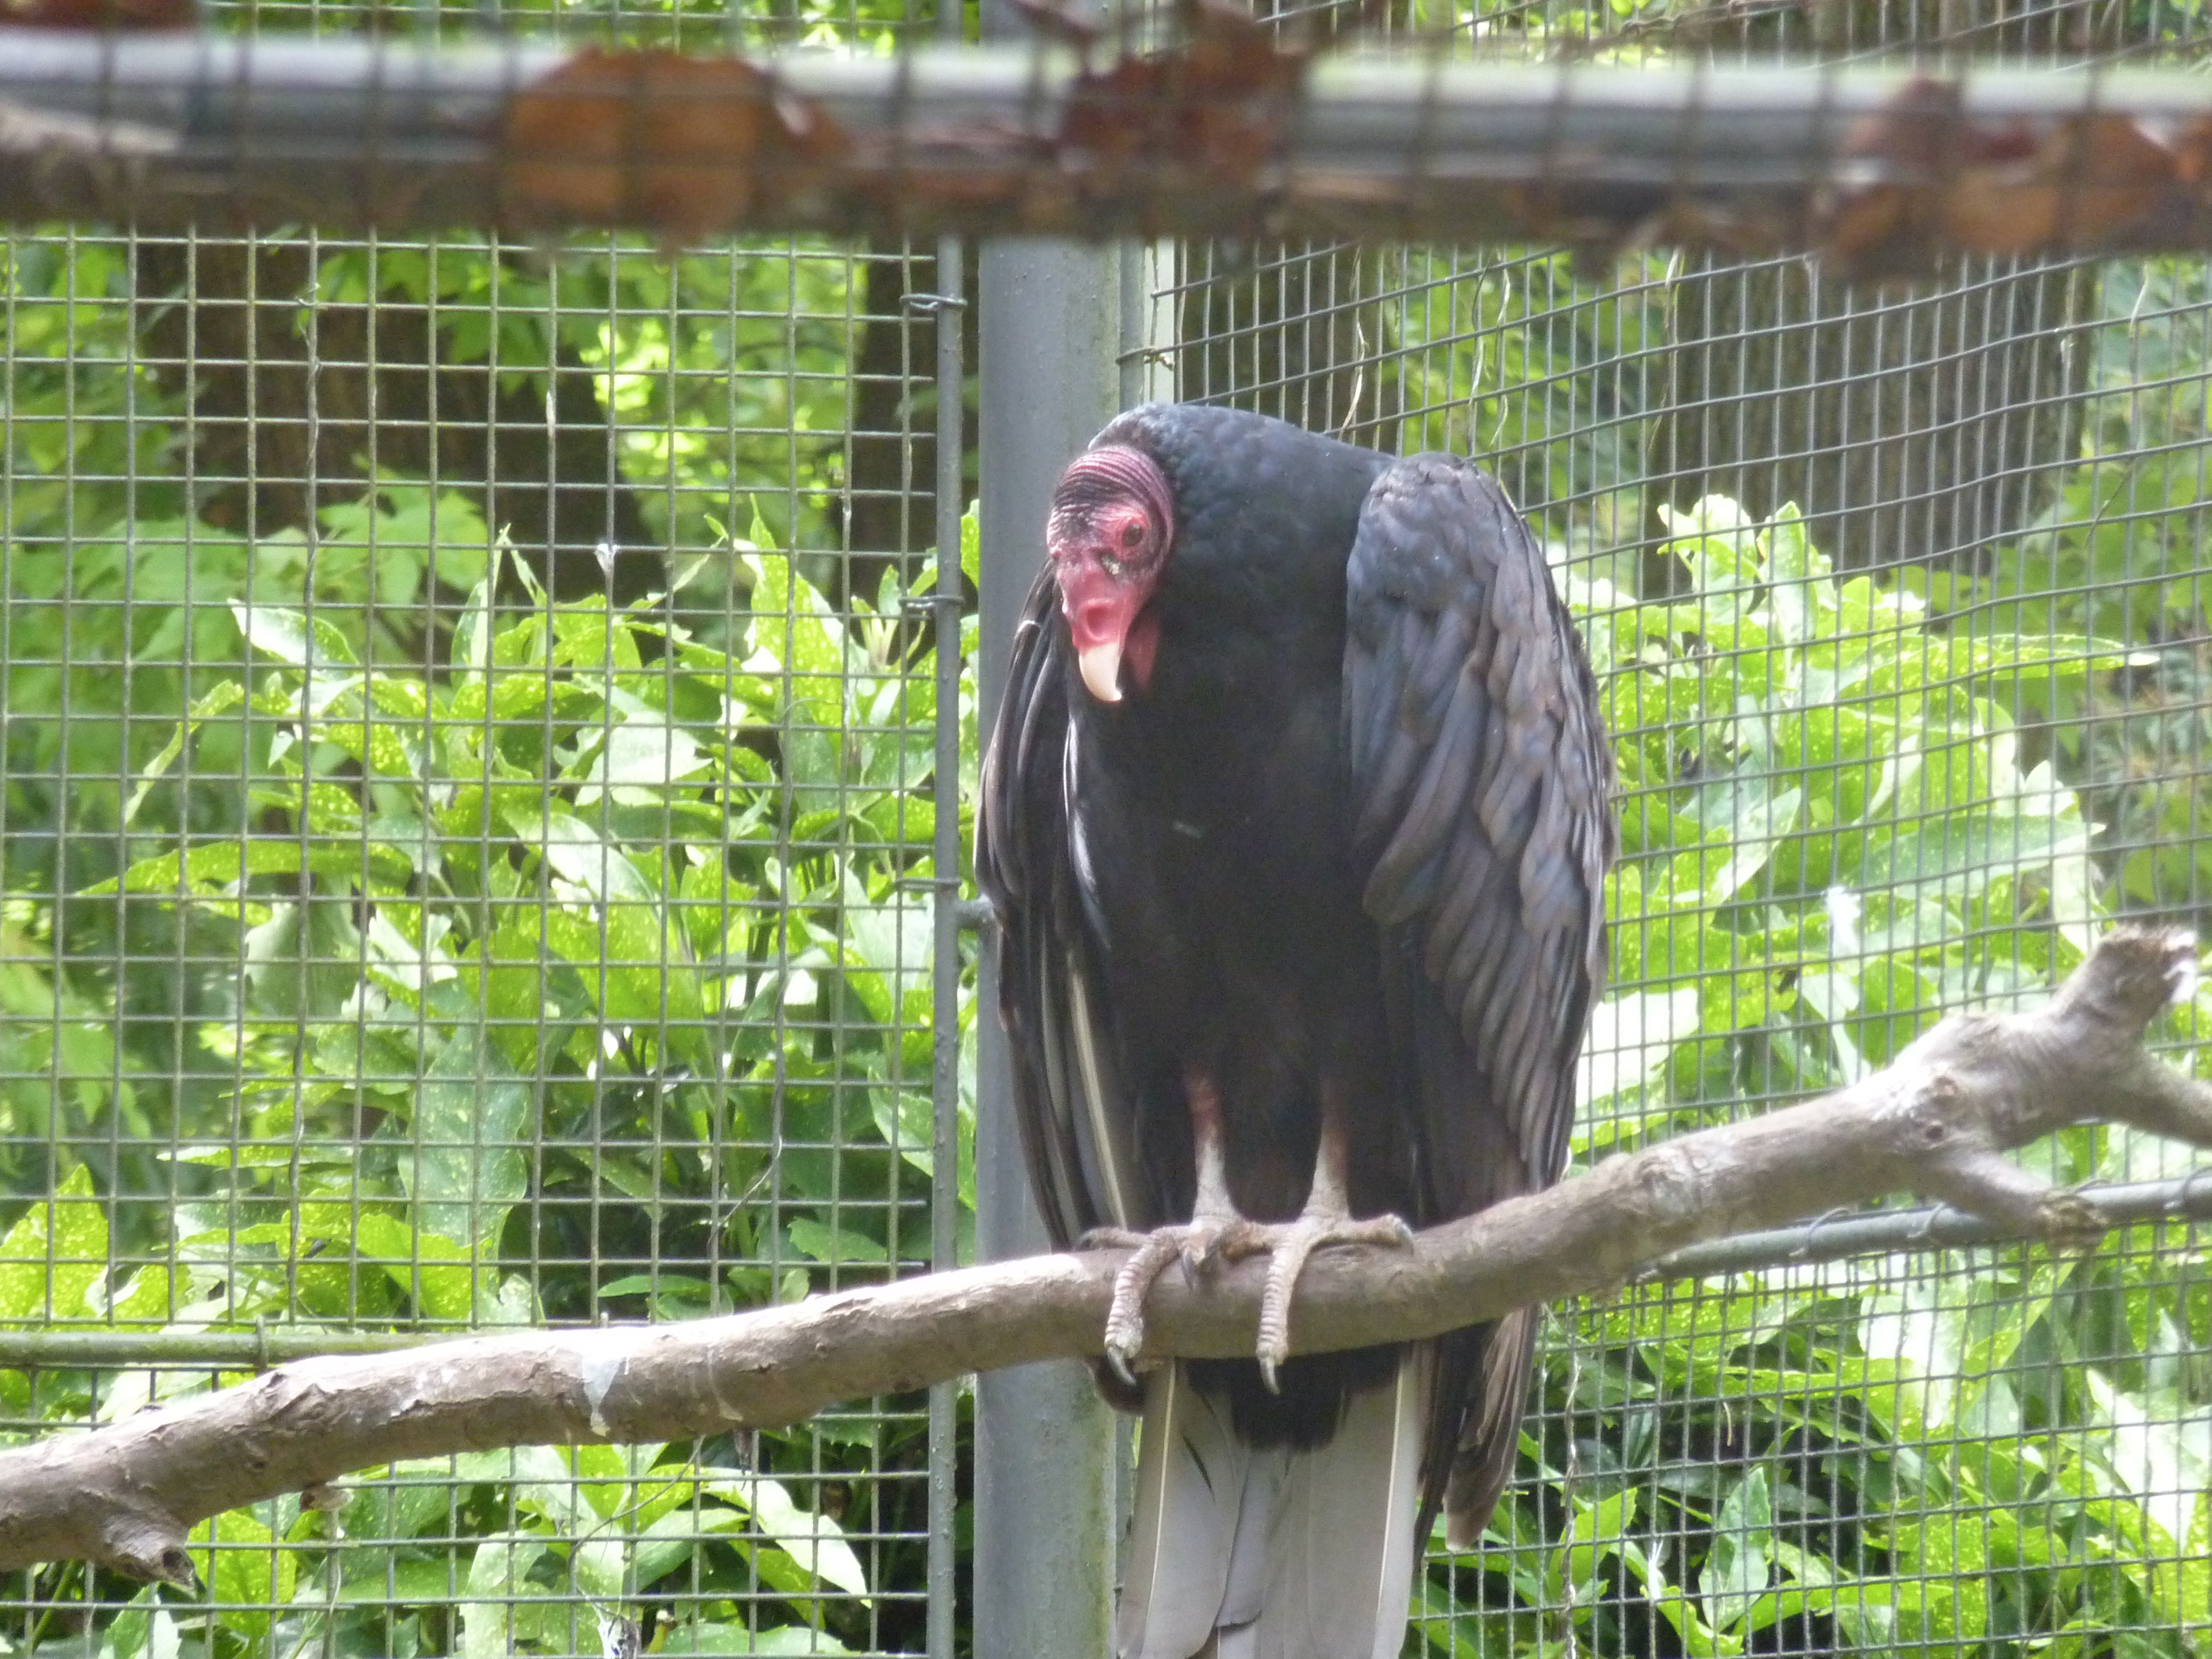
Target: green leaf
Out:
[1737,1565]
[1630,1037]
[1749,824]
[315,644]
[54,1254]
[2161,1451]
[503,1610]
[240,1561]
[1962,844]
[470,1115]
[583,856]
[736,1638]
[638,964]
[835,1245]
[813,1540]
[1797,575]
[642,759]
[1599,1531]
[202,871]
[433,1272]
[226,696]
[797,644]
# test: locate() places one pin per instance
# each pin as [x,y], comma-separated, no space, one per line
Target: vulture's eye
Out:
[1133,534]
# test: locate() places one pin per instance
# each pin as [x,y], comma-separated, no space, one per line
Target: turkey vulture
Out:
[1295,822]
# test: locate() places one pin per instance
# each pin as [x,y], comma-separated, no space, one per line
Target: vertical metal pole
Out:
[1140,378]
[1130,325]
[944,857]
[1044,1447]
[945,991]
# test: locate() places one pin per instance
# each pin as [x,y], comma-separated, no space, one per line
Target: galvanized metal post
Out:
[945,1014]
[945,1007]
[1044,1446]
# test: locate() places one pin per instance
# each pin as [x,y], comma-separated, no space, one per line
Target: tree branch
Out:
[1935,1121]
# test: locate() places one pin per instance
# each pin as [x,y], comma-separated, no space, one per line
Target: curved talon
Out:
[1193,1245]
[1291,1243]
[1201,1245]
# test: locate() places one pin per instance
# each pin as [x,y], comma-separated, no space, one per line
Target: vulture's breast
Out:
[1214,813]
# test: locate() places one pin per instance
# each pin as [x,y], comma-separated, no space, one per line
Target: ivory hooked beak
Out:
[1101,665]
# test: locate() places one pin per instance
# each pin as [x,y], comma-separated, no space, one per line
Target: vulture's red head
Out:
[1112,523]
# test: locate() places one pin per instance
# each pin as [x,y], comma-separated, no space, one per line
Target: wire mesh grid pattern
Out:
[413,923]
[421,925]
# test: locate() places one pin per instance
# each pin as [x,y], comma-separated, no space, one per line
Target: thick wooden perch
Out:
[1936,1121]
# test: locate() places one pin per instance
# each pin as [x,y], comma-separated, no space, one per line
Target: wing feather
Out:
[1030,858]
[1481,782]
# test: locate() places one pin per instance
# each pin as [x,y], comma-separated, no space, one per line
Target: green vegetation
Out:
[386,943]
[1830,836]
[559,998]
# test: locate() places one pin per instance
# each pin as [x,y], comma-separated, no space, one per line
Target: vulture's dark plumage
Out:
[1296,820]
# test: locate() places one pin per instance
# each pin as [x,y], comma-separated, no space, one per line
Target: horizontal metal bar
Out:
[243,1351]
[1886,1232]
[160,130]
[1939,1227]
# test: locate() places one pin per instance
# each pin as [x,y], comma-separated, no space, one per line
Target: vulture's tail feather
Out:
[1238,1553]
[1490,1441]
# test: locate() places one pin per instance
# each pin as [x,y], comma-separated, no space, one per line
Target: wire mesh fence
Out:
[422,924]
[473,854]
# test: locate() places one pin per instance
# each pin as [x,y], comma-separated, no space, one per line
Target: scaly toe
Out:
[1242,1238]
[1111,1238]
[1194,1245]
[1205,1246]
[1292,1243]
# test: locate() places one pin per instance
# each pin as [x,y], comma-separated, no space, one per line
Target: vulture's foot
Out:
[1288,1244]
[1197,1244]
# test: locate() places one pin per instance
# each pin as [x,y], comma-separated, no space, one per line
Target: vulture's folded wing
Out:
[1482,785]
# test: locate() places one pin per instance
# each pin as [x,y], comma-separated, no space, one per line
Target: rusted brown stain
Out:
[689,147]
[2078,183]
[1191,137]
[683,146]
[1919,178]
[1210,114]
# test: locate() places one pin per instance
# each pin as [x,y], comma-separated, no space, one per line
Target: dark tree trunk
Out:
[1909,427]
[890,511]
[296,404]
[1292,333]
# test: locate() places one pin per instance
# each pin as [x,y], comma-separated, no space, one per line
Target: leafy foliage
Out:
[1830,836]
[583,971]
[573,982]
[2119,552]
